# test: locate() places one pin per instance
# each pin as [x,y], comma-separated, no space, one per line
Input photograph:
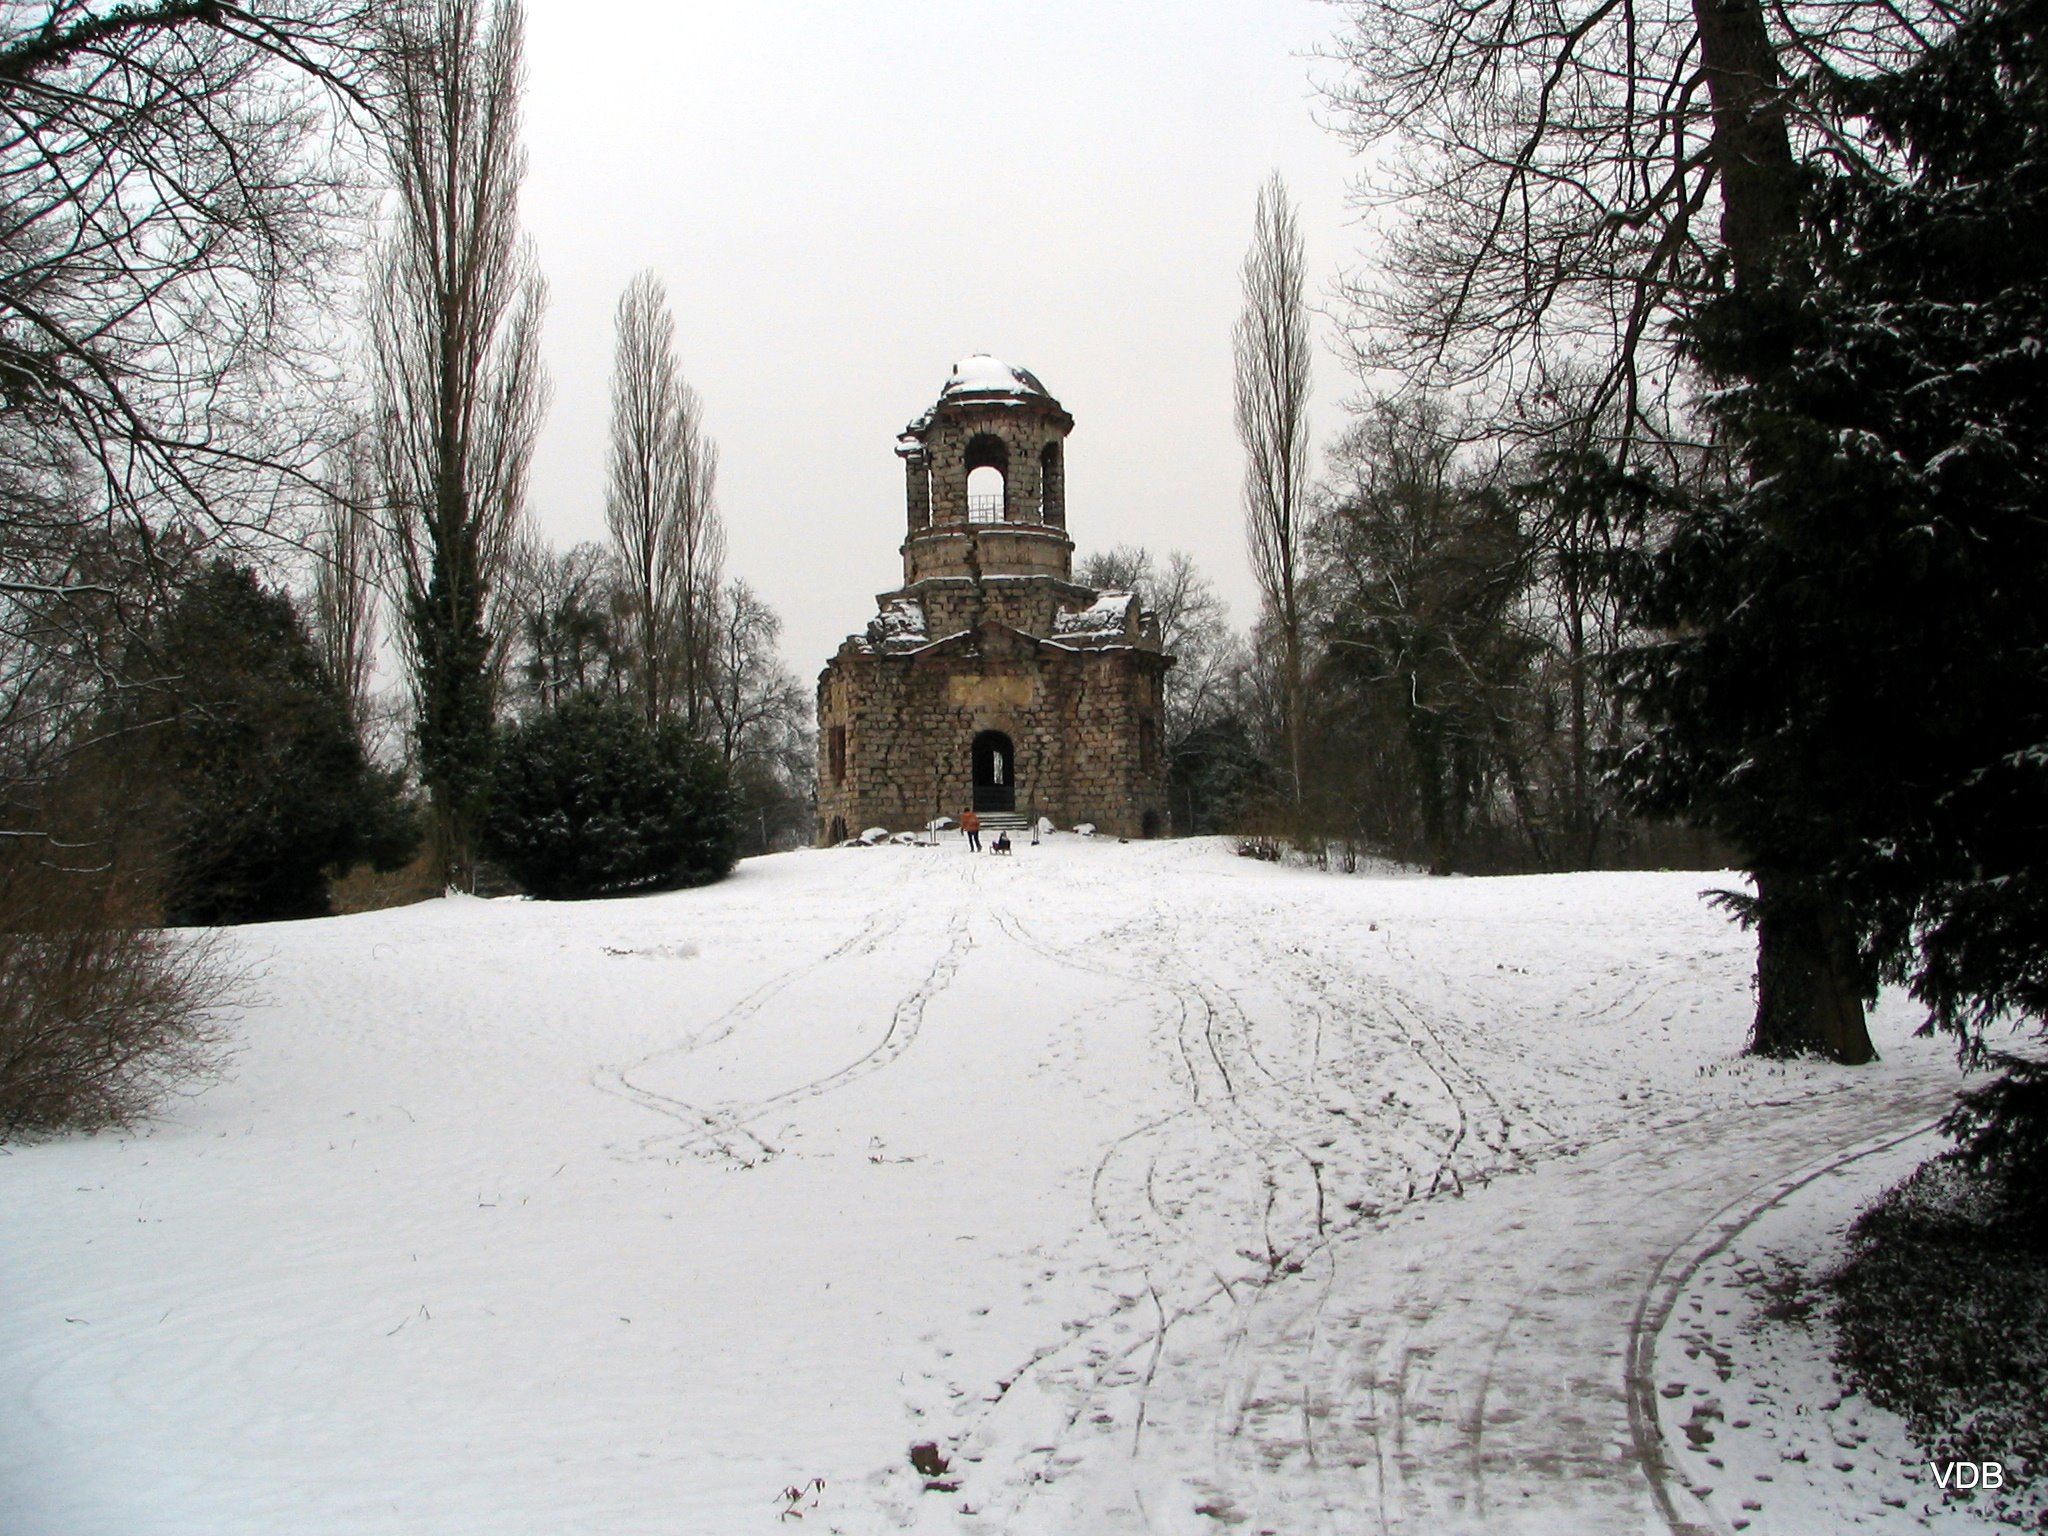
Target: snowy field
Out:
[1159,1190]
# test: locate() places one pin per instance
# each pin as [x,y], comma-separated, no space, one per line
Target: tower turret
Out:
[985,478]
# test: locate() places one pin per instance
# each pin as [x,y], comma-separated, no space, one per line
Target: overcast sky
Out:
[843,199]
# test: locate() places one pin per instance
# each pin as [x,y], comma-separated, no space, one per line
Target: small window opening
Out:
[838,754]
[988,468]
[985,496]
[1052,487]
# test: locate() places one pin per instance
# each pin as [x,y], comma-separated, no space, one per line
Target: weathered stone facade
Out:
[990,678]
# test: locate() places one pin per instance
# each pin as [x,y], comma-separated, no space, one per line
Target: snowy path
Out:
[1163,1190]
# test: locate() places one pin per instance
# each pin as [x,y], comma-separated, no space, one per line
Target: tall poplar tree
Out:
[660,489]
[459,389]
[1272,382]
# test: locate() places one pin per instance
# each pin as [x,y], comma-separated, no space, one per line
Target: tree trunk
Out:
[1807,998]
[1291,690]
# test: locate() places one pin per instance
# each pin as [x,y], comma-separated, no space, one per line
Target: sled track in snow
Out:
[725,1130]
[1275,1116]
[1667,1285]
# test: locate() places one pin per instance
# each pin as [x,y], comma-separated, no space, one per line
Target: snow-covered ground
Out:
[1756,1421]
[1159,1190]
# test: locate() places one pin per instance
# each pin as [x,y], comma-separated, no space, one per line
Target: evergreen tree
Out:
[588,799]
[264,783]
[1855,683]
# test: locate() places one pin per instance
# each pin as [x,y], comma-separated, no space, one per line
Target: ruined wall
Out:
[954,603]
[896,733]
[989,548]
[1031,495]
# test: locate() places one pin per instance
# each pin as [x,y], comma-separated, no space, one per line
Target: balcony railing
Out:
[989,509]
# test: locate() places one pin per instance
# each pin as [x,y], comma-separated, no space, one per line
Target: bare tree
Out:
[754,693]
[1272,376]
[347,575]
[1193,626]
[1421,575]
[169,200]
[660,505]
[763,721]
[569,613]
[171,186]
[456,311]
[1553,184]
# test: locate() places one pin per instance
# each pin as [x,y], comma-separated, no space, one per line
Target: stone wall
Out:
[1024,432]
[956,603]
[958,550]
[1086,726]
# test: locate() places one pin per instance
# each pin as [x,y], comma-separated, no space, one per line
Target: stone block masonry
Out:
[990,678]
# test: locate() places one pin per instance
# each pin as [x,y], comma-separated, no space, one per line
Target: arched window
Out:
[988,473]
[1052,486]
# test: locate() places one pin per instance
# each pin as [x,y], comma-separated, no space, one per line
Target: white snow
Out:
[1112,613]
[1162,1190]
[1757,1420]
[900,626]
[983,374]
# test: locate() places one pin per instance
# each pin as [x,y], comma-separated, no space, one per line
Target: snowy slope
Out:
[1162,1190]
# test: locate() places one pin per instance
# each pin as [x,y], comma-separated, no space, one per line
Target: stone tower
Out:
[989,677]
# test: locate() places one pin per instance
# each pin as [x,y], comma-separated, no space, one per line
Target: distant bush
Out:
[589,800]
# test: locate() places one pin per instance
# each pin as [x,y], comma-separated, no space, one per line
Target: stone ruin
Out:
[991,678]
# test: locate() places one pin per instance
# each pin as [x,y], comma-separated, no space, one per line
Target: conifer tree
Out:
[1856,682]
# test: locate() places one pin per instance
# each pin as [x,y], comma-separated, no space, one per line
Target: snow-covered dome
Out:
[985,375]
[983,381]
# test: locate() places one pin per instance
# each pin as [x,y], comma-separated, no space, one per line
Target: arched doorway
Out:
[995,772]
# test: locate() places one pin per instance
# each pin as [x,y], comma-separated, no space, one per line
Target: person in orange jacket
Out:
[971,825]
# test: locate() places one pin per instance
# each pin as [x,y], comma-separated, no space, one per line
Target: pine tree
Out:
[588,799]
[1856,680]
[264,782]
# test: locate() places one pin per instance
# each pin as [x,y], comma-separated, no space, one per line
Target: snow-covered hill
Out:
[1158,1189]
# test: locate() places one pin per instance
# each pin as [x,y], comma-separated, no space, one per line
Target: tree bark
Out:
[1808,998]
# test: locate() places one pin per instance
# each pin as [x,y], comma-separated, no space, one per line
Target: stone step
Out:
[1004,821]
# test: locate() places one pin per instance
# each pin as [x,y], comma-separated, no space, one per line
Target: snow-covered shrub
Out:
[2001,1131]
[1941,1316]
[589,800]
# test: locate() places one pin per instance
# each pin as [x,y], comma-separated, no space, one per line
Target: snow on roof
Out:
[984,380]
[898,627]
[985,375]
[1112,613]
